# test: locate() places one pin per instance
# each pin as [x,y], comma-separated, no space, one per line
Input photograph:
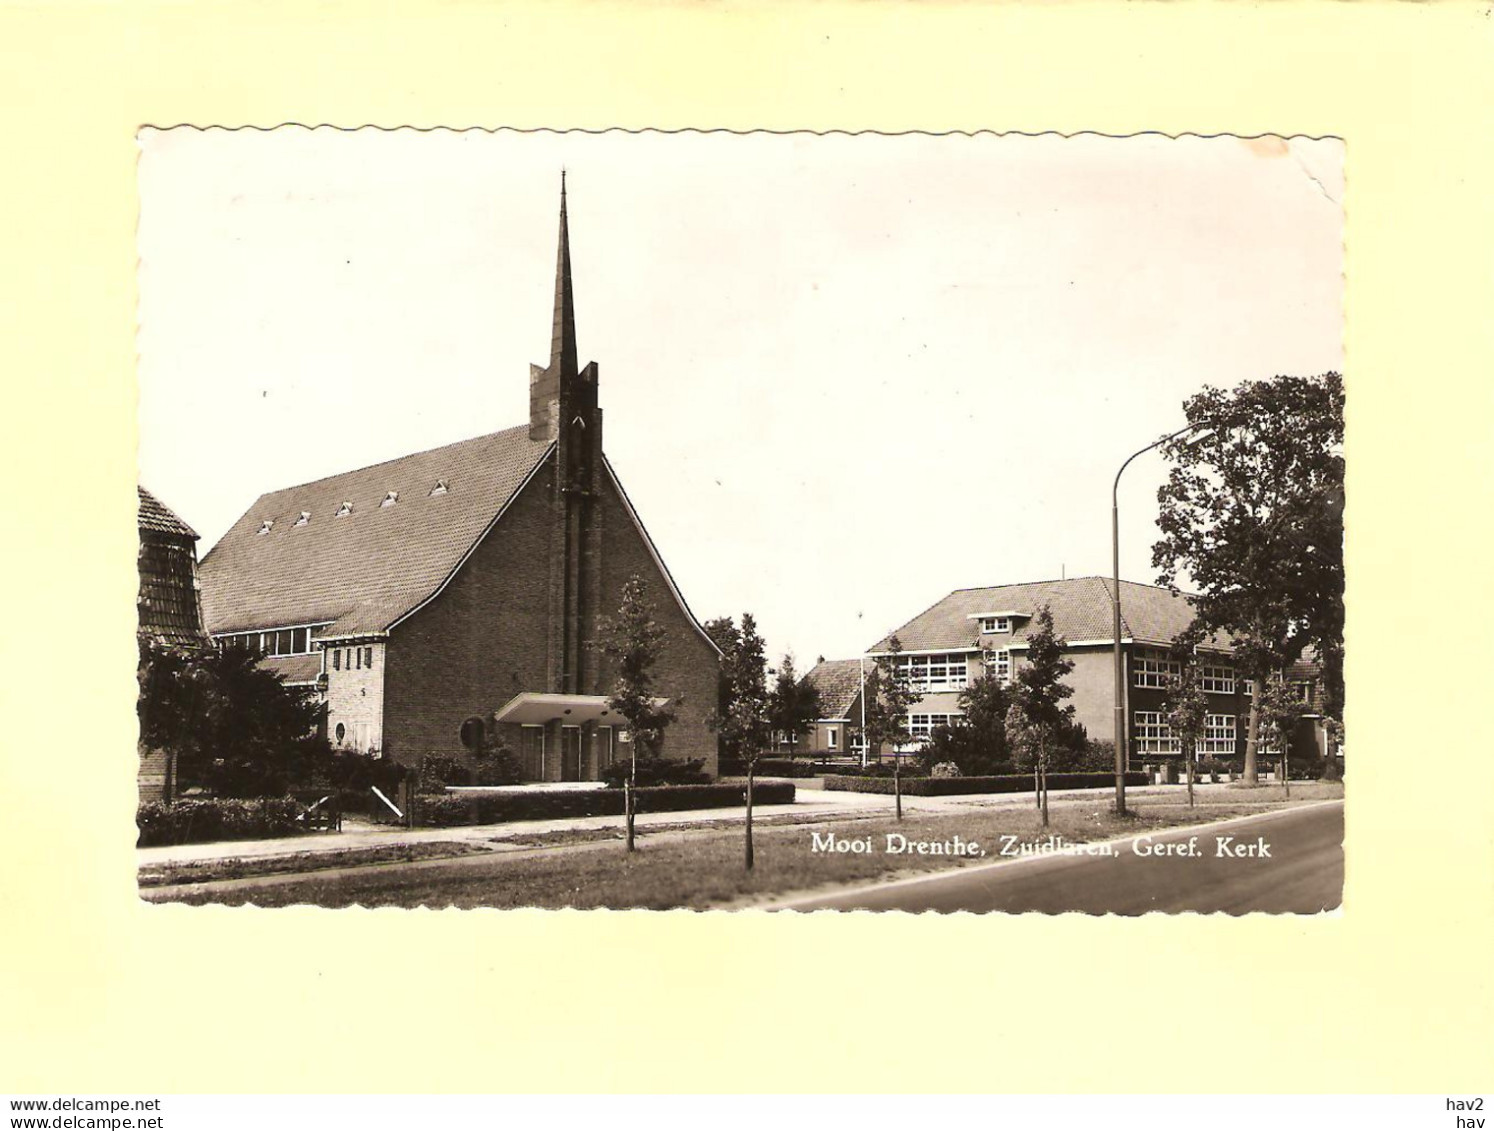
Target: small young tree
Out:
[887,712]
[632,639]
[1038,693]
[1187,708]
[725,634]
[743,726]
[1279,711]
[794,703]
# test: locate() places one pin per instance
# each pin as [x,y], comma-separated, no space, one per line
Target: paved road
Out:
[1304,873]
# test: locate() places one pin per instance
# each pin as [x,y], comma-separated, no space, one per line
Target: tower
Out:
[563,409]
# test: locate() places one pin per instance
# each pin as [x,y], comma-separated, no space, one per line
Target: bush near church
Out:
[203,820]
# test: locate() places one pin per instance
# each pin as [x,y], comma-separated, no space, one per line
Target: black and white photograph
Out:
[741,521]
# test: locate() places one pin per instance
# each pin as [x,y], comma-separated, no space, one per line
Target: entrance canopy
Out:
[571,710]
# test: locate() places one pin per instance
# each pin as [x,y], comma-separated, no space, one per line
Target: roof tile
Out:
[364,570]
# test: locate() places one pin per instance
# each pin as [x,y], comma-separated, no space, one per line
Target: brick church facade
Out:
[456,595]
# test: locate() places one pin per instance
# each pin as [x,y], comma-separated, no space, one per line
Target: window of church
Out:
[345,509]
[304,519]
[390,499]
[440,487]
[264,527]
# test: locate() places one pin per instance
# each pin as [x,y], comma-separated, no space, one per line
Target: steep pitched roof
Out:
[363,570]
[157,517]
[1081,608]
[838,682]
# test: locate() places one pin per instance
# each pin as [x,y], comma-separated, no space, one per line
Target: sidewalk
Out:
[810,804]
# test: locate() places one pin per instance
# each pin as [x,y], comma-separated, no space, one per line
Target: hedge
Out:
[443,810]
[1004,783]
[771,767]
[201,820]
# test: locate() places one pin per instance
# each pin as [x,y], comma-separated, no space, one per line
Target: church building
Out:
[453,598]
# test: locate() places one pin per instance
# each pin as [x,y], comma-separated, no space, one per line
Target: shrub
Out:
[498,767]
[1333,770]
[448,809]
[770,767]
[1006,783]
[945,770]
[658,771]
[202,820]
[437,771]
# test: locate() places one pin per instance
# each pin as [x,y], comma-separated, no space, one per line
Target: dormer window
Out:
[390,499]
[264,527]
[439,488]
[304,519]
[995,624]
[345,509]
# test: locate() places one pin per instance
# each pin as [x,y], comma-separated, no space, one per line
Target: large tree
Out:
[1252,514]
[743,725]
[888,699]
[633,639]
[235,727]
[793,704]
[1039,718]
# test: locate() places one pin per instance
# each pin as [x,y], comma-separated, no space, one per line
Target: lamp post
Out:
[1115,605]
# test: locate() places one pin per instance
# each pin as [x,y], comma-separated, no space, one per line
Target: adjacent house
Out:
[169,614]
[976,630]
[452,600]
[837,731]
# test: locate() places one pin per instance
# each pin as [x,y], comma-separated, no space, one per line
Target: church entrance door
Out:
[570,753]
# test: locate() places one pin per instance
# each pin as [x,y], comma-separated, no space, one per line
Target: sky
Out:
[842,375]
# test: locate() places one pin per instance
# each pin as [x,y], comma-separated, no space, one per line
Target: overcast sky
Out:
[842,376]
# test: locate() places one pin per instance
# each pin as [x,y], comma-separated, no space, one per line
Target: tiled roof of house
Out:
[838,682]
[294,669]
[1081,608]
[364,569]
[159,518]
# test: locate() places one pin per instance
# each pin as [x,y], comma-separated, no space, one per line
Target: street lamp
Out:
[1115,604]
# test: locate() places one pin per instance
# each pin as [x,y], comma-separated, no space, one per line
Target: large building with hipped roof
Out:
[972,631]
[453,599]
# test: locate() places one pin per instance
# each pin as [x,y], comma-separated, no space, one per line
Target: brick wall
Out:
[481,642]
[355,695]
[486,638]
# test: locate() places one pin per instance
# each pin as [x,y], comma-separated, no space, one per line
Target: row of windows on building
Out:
[346,507]
[353,659]
[271,642]
[950,671]
[297,642]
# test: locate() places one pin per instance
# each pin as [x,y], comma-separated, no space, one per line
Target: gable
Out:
[360,571]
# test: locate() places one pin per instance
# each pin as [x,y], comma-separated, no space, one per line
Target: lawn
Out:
[204,871]
[703,869]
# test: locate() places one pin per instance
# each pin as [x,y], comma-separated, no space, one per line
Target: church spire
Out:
[563,329]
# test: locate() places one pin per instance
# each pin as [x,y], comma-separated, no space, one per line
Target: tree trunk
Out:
[750,767]
[1037,781]
[1043,786]
[1253,730]
[628,802]
[897,783]
[1286,765]
[1188,769]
